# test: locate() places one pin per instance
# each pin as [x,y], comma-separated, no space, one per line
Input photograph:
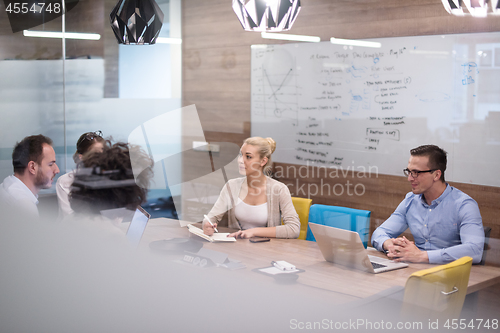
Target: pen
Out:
[210,223]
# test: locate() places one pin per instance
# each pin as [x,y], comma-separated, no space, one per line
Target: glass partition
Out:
[63,87]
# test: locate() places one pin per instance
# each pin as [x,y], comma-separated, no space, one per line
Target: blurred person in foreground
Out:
[88,142]
[34,162]
[255,203]
[106,181]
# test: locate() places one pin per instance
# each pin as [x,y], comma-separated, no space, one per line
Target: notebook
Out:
[344,247]
[216,237]
[137,225]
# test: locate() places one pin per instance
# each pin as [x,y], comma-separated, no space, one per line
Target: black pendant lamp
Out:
[136,21]
[266,15]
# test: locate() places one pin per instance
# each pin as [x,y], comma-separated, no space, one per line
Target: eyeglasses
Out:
[87,137]
[415,173]
[92,135]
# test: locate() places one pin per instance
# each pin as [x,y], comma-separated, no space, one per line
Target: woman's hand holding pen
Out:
[208,227]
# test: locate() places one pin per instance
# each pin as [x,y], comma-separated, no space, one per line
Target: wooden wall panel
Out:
[216,77]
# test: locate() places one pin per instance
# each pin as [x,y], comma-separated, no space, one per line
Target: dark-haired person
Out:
[444,221]
[88,142]
[34,162]
[106,180]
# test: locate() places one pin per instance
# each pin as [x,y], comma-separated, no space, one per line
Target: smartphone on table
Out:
[259,239]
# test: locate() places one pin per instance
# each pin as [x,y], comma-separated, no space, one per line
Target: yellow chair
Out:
[302,206]
[437,292]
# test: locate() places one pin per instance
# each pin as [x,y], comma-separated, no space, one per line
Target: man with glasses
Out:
[35,167]
[444,221]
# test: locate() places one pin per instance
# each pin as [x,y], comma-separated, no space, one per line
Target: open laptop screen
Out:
[138,225]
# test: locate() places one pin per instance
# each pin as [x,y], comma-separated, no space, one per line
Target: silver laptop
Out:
[137,225]
[344,247]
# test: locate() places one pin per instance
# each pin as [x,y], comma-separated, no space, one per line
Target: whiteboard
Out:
[363,109]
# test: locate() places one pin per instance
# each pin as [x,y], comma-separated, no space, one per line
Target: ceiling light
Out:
[453,7]
[136,21]
[495,6]
[55,34]
[266,15]
[298,38]
[354,42]
[476,8]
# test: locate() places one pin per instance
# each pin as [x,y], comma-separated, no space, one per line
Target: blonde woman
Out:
[255,203]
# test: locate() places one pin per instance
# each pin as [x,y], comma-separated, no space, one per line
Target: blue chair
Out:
[340,217]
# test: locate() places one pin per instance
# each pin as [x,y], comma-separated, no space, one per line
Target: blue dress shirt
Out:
[448,229]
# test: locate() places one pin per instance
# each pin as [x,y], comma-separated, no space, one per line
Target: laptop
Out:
[344,247]
[137,225]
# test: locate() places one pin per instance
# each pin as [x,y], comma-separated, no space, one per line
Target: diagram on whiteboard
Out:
[344,106]
[275,90]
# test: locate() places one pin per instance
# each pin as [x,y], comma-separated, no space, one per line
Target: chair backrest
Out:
[437,292]
[341,217]
[302,206]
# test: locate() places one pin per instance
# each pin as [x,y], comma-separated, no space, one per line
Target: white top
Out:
[63,187]
[251,216]
[13,192]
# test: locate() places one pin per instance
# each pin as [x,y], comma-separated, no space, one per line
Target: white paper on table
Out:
[274,270]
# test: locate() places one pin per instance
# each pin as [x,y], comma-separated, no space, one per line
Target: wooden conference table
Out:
[306,255]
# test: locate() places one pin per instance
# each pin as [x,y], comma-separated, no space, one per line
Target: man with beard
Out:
[35,167]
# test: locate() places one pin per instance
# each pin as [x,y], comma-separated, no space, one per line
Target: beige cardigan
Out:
[279,204]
